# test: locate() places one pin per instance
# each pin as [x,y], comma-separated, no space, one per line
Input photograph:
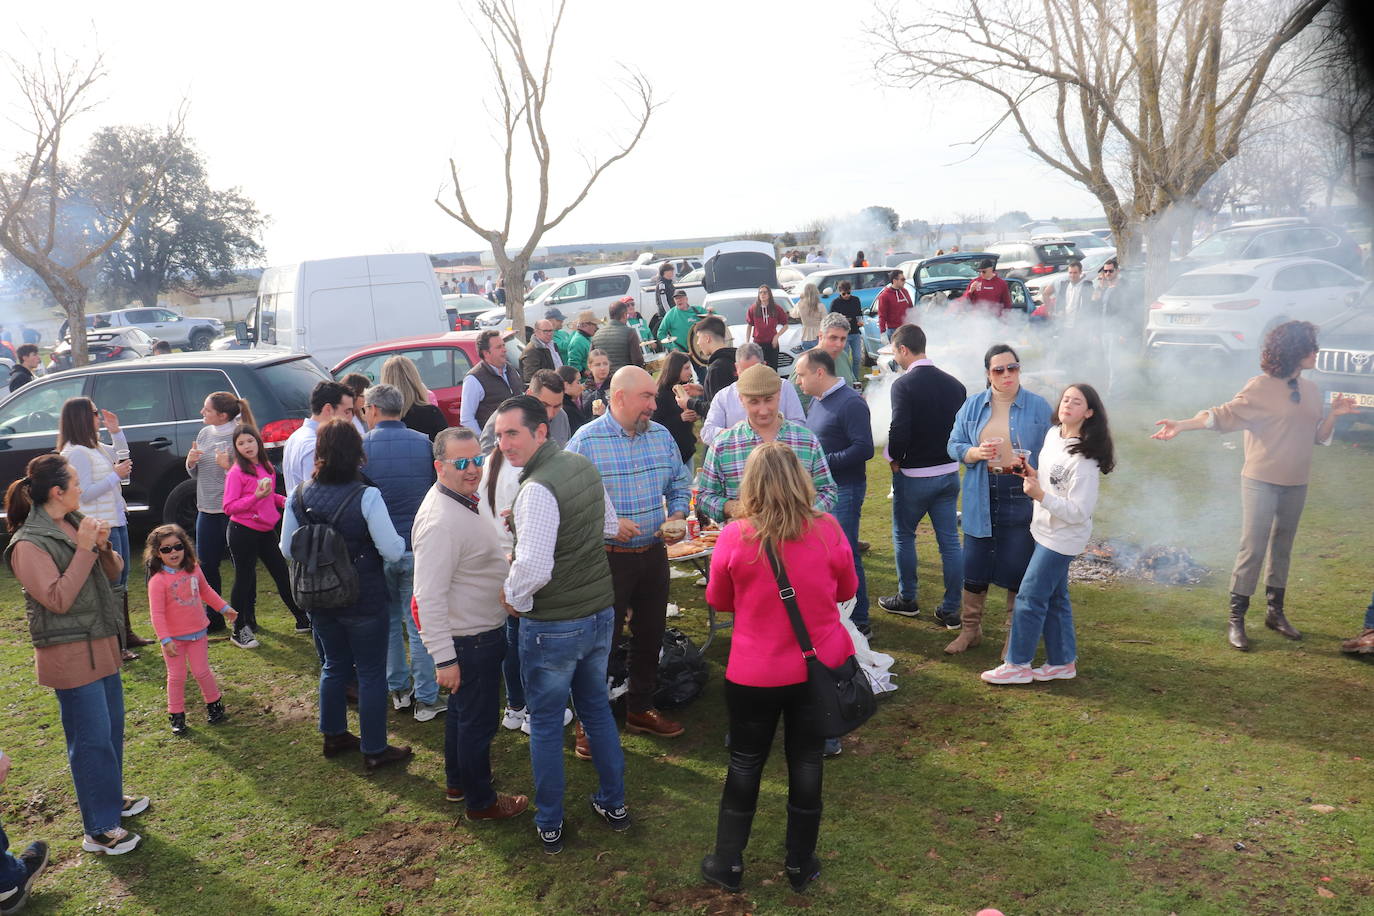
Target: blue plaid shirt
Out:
[639,472]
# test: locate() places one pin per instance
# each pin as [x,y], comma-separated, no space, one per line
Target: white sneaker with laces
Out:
[515,719]
[1007,673]
[567,720]
[115,843]
[426,711]
[401,699]
[1048,672]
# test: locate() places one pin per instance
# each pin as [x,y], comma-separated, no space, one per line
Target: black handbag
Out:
[840,698]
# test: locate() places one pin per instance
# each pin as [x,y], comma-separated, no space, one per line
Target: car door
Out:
[1332,291]
[1293,293]
[168,326]
[28,421]
[191,387]
[602,292]
[142,400]
[442,369]
[571,295]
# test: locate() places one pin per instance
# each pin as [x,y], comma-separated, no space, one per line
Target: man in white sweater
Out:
[459,568]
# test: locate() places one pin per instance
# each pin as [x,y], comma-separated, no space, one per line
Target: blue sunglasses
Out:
[461,464]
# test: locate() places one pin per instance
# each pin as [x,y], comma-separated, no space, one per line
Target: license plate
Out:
[1185,319]
[1361,400]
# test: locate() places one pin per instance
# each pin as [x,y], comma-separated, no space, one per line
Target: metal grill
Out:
[1346,362]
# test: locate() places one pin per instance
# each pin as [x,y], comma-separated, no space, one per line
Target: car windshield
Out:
[1056,252]
[539,290]
[1224,246]
[1211,285]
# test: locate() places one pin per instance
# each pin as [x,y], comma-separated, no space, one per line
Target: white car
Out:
[1230,307]
[1087,243]
[1091,264]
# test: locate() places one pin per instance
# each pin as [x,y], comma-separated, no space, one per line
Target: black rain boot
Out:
[1274,619]
[214,712]
[178,720]
[725,867]
[803,826]
[1235,626]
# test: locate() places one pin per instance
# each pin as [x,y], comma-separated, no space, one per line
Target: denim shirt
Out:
[1029,420]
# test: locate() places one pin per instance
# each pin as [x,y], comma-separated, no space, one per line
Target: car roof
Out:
[199,359]
[958,256]
[1259,265]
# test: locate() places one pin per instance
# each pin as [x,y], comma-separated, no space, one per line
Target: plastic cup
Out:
[1022,460]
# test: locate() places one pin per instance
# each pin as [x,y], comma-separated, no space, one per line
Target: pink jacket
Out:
[242,506]
[763,649]
[176,602]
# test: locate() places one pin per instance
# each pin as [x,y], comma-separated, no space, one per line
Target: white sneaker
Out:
[515,719]
[115,843]
[1049,672]
[567,720]
[1007,673]
[426,711]
[401,699]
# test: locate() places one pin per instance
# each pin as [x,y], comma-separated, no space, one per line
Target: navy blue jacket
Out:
[925,401]
[400,463]
[841,422]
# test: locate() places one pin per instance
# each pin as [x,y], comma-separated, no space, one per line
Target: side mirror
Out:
[828,291]
[241,333]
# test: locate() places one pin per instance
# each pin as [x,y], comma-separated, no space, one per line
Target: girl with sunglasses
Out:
[997,513]
[1281,414]
[177,594]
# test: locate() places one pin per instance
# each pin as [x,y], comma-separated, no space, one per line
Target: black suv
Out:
[158,403]
[1345,362]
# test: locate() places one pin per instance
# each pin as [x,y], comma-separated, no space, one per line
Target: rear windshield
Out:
[292,383]
[1224,246]
[1211,285]
[1056,253]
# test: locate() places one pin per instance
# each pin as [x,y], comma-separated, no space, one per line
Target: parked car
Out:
[1091,264]
[1028,258]
[1087,243]
[463,310]
[794,276]
[1230,307]
[104,345]
[158,403]
[326,308]
[865,283]
[595,292]
[1345,362]
[181,332]
[1273,238]
[443,361]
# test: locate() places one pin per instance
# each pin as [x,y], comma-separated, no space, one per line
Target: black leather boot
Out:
[803,826]
[178,720]
[1274,619]
[725,867]
[1235,629]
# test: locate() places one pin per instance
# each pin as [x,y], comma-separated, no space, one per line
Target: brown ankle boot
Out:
[971,623]
[1011,612]
[131,639]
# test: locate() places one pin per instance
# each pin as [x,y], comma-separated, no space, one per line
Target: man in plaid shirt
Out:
[641,467]
[758,388]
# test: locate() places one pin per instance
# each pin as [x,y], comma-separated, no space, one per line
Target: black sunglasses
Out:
[1009,367]
[1294,394]
[172,548]
[461,464]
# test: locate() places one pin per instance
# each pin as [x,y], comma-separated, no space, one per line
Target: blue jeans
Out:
[1043,608]
[849,504]
[558,655]
[510,665]
[474,713]
[913,498]
[93,721]
[400,585]
[119,539]
[1002,558]
[348,642]
[1369,615]
[855,342]
[12,871]
[212,540]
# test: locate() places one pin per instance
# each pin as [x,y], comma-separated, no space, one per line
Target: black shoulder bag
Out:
[841,698]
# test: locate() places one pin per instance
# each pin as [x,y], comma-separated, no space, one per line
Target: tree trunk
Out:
[1159,236]
[513,276]
[75,310]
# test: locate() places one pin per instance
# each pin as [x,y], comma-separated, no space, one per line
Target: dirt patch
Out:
[392,854]
[708,900]
[289,710]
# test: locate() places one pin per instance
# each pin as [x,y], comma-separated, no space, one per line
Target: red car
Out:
[443,361]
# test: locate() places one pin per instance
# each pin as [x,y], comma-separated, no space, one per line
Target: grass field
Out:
[1175,775]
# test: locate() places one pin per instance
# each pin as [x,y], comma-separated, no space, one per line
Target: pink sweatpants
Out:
[197,652]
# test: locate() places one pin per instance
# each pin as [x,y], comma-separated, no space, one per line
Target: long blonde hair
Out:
[401,374]
[809,308]
[776,495]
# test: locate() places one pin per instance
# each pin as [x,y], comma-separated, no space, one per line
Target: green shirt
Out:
[578,347]
[677,323]
[561,340]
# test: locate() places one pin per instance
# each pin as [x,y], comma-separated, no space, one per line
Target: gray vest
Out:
[614,337]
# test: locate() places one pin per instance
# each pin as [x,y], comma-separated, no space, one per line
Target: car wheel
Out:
[180,506]
[200,340]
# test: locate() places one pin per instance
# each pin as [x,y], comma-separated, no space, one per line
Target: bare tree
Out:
[1140,102]
[522,76]
[40,223]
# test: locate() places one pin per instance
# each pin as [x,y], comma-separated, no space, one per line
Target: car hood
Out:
[1352,329]
[739,265]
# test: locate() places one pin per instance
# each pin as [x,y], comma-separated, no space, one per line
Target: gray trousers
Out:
[1269,522]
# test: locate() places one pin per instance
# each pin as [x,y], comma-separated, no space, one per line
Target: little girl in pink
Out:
[177,595]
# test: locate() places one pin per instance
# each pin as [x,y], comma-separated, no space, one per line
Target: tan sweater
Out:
[1279,435]
[459,568]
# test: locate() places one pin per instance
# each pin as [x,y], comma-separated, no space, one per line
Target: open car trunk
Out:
[739,265]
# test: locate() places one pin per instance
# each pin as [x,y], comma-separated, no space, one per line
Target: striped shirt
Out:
[724,467]
[639,473]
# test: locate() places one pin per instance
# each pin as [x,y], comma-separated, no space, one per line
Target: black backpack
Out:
[322,571]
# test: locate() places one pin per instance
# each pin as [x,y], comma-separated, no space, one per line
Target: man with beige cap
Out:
[581,344]
[759,388]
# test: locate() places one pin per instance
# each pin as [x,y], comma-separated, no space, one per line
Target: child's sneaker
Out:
[243,638]
[214,712]
[178,720]
[514,718]
[114,843]
[1007,673]
[1048,672]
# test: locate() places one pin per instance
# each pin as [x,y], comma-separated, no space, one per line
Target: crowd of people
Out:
[511,553]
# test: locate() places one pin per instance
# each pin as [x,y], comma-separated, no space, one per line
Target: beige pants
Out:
[1269,522]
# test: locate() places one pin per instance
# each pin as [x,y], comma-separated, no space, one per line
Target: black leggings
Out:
[246,547]
[754,714]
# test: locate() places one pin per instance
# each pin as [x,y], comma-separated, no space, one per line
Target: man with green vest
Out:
[560,586]
[675,330]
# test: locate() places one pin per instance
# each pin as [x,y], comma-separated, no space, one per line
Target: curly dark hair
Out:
[1286,347]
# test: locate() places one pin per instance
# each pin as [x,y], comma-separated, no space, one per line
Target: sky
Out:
[339,120]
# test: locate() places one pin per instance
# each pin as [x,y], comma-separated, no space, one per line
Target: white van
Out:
[331,307]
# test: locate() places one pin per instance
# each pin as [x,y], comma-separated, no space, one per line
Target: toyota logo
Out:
[1360,359]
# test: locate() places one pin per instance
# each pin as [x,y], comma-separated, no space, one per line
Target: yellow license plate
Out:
[1361,400]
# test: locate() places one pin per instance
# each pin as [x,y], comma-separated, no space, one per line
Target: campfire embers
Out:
[1107,561]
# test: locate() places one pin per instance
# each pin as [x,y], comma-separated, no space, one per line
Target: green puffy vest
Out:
[97,611]
[614,337]
[581,580]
